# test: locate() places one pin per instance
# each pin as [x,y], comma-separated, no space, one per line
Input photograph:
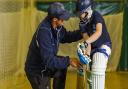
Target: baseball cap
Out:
[57,10]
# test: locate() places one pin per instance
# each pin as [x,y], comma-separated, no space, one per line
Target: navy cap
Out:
[57,10]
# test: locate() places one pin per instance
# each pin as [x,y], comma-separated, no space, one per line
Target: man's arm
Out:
[50,59]
[70,36]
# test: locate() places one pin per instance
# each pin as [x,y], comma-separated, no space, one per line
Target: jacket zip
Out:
[58,38]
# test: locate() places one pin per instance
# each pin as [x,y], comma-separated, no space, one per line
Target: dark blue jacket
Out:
[44,47]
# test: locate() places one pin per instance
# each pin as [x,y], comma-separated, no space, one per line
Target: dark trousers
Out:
[41,81]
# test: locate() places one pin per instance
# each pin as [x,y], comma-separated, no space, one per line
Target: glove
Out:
[85,44]
[82,45]
[84,59]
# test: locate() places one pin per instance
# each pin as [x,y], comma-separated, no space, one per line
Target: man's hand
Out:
[75,63]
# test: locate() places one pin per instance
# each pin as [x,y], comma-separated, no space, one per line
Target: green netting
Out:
[124,53]
[104,8]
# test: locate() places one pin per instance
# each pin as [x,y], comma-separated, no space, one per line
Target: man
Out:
[42,60]
[97,45]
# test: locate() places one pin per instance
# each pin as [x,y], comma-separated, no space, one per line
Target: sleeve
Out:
[83,28]
[47,55]
[70,36]
[98,18]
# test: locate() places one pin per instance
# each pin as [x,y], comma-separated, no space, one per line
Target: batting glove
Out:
[84,59]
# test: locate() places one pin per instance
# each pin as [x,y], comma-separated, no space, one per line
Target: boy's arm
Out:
[88,49]
[96,35]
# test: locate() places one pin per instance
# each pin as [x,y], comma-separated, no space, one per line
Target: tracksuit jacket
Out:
[42,53]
